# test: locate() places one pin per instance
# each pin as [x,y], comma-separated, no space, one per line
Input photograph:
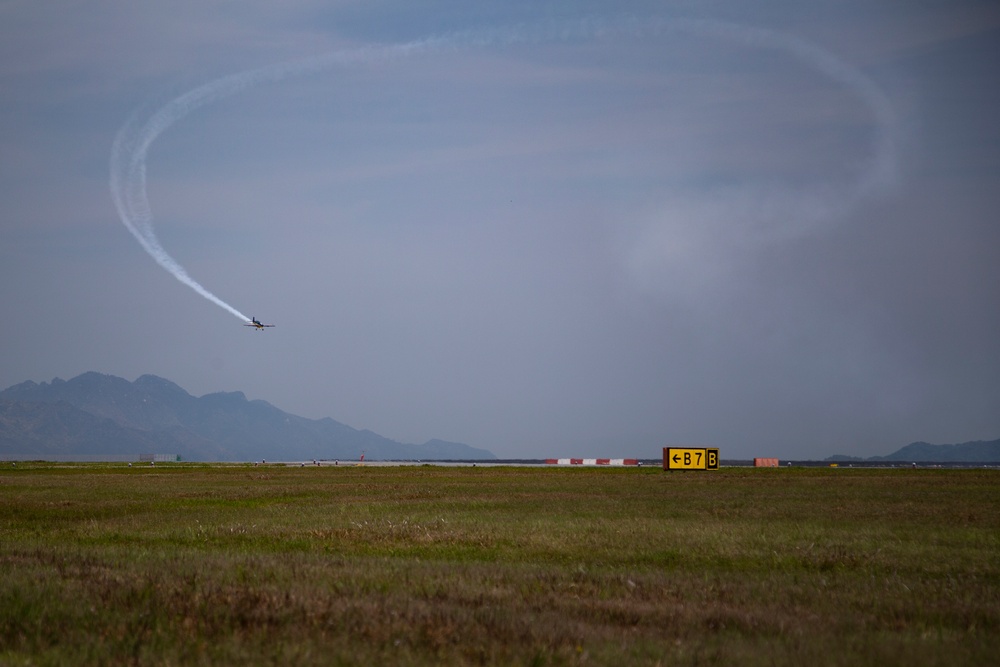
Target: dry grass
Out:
[188,564]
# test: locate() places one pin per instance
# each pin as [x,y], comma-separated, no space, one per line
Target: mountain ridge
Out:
[97,414]
[976,451]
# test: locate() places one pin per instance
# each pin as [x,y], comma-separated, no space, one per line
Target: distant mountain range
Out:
[980,451]
[103,415]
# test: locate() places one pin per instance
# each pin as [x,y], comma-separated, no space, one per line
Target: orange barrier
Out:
[765,463]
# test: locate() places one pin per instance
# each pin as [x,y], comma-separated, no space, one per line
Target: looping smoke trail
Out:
[131,145]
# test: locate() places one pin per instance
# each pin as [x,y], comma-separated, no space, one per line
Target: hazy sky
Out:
[769,227]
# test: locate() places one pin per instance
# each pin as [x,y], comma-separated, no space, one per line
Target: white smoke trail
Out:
[131,145]
[882,168]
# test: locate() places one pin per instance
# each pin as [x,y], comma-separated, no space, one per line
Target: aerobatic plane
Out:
[254,322]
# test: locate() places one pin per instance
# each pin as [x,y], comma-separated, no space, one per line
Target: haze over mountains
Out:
[97,415]
[979,451]
[103,415]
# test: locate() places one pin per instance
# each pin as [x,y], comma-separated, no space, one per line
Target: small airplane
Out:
[254,322]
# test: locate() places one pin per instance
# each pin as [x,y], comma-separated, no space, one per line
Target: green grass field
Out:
[192,564]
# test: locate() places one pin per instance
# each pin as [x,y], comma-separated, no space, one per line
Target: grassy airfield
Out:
[192,564]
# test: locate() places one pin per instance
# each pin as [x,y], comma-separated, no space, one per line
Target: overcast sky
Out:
[771,227]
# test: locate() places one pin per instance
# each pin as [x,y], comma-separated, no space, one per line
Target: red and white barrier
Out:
[593,462]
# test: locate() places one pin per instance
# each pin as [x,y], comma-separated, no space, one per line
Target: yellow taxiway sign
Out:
[690,458]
